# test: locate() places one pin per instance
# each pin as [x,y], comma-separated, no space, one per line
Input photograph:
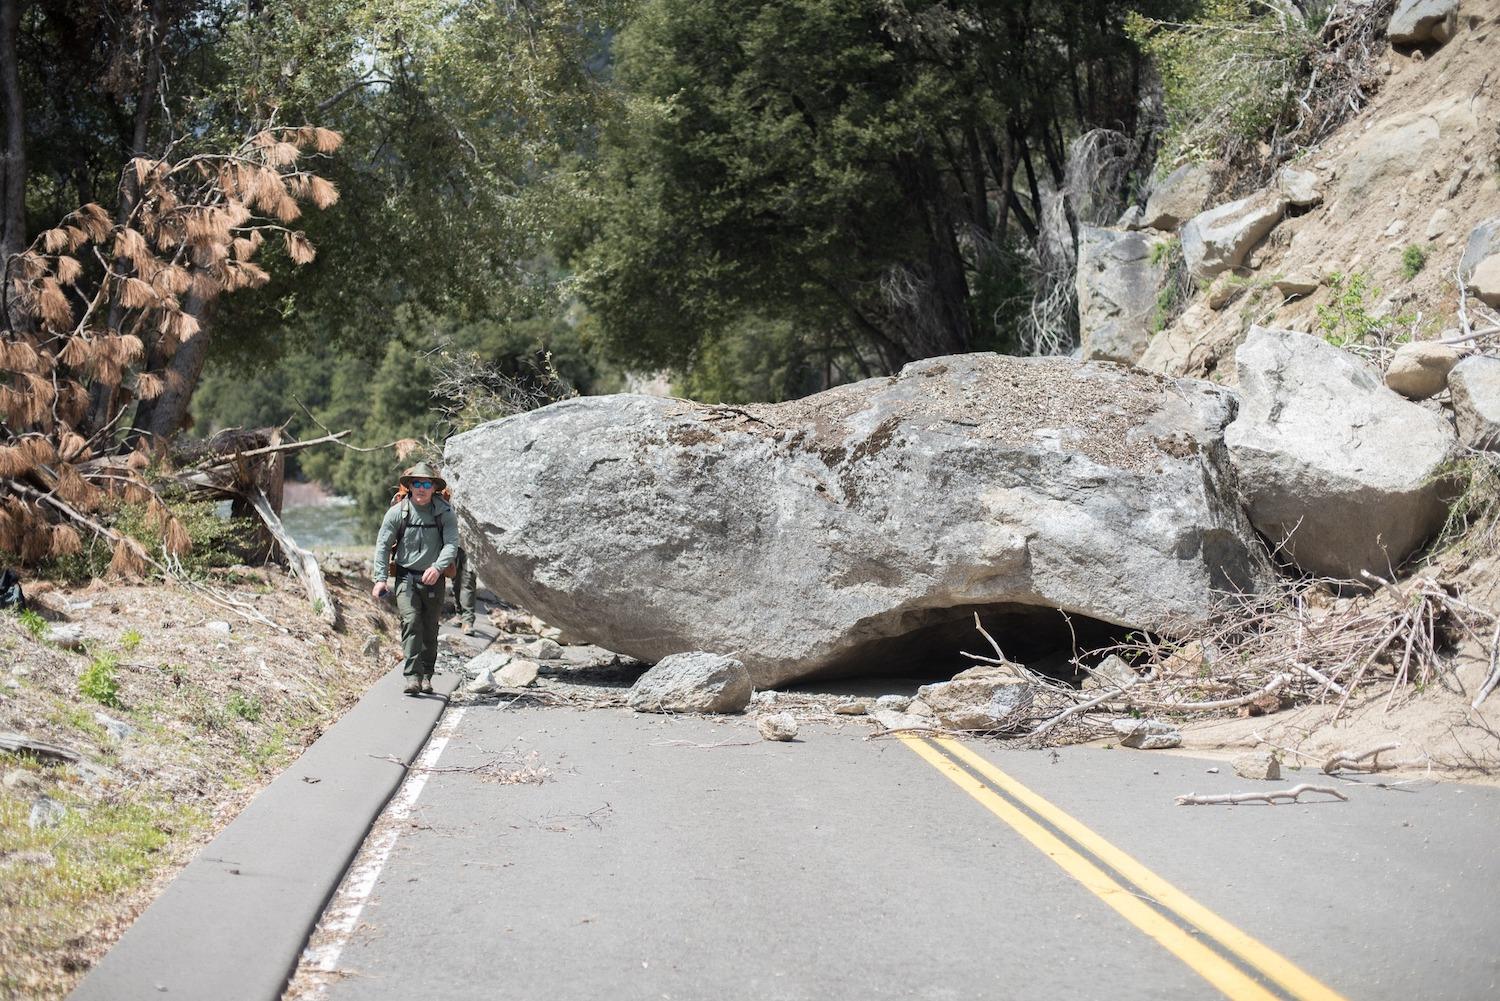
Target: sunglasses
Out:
[421,484]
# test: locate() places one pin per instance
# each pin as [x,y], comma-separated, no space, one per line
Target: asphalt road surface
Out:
[562,854]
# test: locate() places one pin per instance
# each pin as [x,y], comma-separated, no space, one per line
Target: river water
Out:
[322,521]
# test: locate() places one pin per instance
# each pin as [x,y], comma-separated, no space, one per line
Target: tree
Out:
[871,173]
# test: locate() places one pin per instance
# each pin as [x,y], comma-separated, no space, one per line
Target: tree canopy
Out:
[874,174]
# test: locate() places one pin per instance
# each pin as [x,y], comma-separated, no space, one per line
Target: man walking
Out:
[417,544]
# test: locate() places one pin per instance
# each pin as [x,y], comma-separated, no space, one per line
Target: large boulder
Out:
[1418,21]
[1178,197]
[1119,275]
[1337,470]
[1217,240]
[852,529]
[1475,384]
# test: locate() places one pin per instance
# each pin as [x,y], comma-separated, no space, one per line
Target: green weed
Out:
[99,681]
[130,640]
[34,623]
[1413,260]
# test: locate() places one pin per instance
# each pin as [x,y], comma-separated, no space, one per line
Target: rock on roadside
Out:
[696,682]
[781,726]
[992,702]
[1336,469]
[1146,734]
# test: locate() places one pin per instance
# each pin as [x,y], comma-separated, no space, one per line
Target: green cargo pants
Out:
[421,607]
[464,584]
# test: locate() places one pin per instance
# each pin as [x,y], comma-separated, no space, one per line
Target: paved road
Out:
[663,858]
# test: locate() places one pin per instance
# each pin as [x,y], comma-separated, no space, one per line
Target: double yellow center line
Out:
[1233,962]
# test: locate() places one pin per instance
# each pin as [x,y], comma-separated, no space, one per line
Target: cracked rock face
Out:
[836,533]
[1339,471]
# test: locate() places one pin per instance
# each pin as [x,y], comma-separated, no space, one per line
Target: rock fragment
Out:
[1259,765]
[1420,369]
[781,726]
[1337,470]
[1217,240]
[1475,383]
[988,703]
[1146,734]
[697,682]
[1417,21]
[1119,276]
[517,674]
[1178,197]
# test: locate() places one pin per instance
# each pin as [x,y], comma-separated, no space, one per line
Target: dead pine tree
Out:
[102,332]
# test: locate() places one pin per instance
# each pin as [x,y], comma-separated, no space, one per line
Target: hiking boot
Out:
[427,685]
[414,687]
[469,629]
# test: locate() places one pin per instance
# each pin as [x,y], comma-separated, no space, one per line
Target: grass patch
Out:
[52,876]
[247,708]
[1473,525]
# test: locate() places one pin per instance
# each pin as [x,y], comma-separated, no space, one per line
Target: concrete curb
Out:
[233,924]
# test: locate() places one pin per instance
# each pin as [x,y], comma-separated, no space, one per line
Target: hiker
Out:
[417,546]
[465,583]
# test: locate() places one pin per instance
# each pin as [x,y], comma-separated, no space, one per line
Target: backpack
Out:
[401,497]
[11,595]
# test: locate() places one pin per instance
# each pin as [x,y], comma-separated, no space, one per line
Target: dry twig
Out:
[1290,795]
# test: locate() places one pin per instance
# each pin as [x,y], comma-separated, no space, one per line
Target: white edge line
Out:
[343,913]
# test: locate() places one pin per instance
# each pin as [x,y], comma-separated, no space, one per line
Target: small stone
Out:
[892,703]
[1484,281]
[491,660]
[1212,771]
[69,637]
[371,648]
[21,780]
[551,633]
[1396,227]
[1260,765]
[484,684]
[917,707]
[517,674]
[782,726]
[1295,284]
[1146,734]
[1420,369]
[542,649]
[693,682]
[46,812]
[219,626]
[1299,186]
[892,720]
[856,708]
[118,729]
[1440,223]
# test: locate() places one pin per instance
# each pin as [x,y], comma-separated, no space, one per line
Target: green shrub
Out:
[1413,260]
[217,542]
[99,682]
[1227,77]
[130,640]
[1346,320]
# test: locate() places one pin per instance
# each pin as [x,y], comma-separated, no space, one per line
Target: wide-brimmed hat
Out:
[422,471]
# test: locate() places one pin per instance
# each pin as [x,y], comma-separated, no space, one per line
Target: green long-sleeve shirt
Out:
[430,539]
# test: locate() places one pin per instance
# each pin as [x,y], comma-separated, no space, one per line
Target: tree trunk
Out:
[167,414]
[13,150]
[102,397]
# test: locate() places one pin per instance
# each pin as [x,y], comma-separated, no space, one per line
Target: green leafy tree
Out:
[869,176]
